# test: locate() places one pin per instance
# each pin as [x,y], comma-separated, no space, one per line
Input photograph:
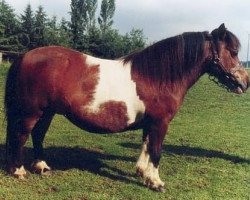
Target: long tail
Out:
[12,106]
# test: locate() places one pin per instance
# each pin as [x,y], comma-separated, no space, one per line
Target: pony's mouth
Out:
[233,84]
[228,81]
[240,87]
[239,90]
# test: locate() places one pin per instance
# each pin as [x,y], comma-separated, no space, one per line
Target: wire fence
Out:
[8,55]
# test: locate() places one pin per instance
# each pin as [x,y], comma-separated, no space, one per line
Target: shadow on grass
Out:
[193,151]
[91,160]
[95,160]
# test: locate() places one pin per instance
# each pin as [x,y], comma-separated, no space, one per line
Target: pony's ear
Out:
[219,33]
[222,32]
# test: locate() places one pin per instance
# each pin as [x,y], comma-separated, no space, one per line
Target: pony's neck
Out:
[198,69]
[180,87]
[196,72]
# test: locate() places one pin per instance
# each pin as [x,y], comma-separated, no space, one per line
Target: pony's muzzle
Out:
[240,77]
[242,87]
[242,83]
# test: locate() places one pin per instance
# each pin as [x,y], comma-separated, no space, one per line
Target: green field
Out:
[206,155]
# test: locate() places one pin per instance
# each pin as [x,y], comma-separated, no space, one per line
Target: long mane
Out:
[169,59]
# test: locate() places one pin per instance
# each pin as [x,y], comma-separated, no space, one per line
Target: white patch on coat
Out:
[115,84]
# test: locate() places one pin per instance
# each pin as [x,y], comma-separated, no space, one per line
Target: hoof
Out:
[160,189]
[19,173]
[155,185]
[40,167]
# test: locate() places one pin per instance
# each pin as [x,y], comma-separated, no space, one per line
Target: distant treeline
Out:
[84,32]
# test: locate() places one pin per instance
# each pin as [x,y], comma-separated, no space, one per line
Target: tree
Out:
[106,45]
[32,30]
[105,19]
[82,22]
[27,28]
[64,33]
[52,32]
[91,6]
[134,40]
[102,41]
[9,28]
[78,14]
[111,44]
[57,34]
[2,34]
[40,27]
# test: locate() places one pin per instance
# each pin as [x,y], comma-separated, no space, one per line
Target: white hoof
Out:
[19,172]
[40,167]
[152,179]
[154,184]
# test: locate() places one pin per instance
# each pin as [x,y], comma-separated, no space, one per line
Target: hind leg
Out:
[18,133]
[38,133]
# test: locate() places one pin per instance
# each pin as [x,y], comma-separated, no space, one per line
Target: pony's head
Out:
[224,63]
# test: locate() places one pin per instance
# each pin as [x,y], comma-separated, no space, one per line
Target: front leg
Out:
[148,162]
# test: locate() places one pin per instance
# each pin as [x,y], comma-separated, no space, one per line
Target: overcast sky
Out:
[160,19]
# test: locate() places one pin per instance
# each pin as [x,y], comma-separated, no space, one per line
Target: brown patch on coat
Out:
[110,117]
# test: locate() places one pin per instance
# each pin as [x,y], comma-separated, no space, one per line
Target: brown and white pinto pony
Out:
[142,90]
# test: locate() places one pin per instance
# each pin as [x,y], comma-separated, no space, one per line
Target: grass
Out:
[206,155]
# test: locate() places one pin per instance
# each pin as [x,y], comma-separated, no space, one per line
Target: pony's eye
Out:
[234,53]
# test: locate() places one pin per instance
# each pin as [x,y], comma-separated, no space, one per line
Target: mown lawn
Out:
[206,155]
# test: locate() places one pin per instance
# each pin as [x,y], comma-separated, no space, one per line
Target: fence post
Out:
[1,57]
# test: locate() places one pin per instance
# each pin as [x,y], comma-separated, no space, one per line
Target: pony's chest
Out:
[116,88]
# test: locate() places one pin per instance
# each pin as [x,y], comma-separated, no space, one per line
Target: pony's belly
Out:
[110,117]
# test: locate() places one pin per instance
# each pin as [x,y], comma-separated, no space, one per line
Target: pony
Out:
[142,90]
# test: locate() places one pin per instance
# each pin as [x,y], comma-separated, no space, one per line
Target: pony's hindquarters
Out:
[20,122]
